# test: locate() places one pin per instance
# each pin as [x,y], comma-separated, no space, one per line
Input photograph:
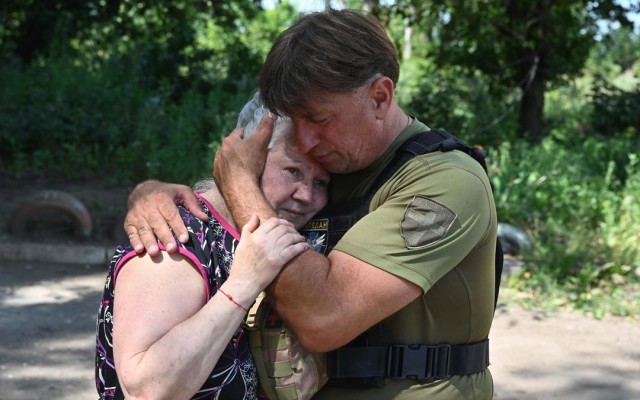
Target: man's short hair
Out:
[334,51]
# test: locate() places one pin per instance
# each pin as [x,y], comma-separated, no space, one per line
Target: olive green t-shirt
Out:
[434,224]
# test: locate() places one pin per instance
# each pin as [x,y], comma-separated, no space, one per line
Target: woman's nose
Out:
[303,192]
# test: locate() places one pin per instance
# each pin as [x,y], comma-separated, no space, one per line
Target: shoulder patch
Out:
[316,232]
[425,222]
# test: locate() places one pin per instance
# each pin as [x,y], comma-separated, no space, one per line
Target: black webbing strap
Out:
[424,143]
[416,361]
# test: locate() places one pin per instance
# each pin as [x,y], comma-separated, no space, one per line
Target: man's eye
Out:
[321,183]
[292,171]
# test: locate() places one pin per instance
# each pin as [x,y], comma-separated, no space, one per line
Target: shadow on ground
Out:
[47,329]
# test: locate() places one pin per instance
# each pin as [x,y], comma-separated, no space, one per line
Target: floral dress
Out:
[211,248]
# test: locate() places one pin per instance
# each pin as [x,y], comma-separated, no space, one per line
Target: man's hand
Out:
[152,212]
[237,167]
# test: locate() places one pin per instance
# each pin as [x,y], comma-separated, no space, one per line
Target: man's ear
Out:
[382,95]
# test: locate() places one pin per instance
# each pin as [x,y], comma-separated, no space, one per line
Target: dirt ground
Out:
[47,324]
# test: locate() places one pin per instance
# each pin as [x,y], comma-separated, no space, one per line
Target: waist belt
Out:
[413,361]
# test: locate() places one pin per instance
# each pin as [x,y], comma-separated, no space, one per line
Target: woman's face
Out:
[293,183]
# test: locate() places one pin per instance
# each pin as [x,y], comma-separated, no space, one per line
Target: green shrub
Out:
[60,118]
[578,203]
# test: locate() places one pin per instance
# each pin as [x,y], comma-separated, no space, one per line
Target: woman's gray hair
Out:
[249,118]
[252,113]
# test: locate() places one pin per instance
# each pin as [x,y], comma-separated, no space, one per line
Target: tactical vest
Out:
[367,360]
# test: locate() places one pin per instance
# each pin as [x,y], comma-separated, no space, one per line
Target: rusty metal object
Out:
[56,201]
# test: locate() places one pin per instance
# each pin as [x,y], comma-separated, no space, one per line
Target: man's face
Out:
[294,184]
[342,133]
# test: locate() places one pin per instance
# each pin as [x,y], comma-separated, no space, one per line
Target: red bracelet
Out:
[232,300]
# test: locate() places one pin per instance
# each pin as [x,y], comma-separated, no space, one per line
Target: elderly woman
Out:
[170,326]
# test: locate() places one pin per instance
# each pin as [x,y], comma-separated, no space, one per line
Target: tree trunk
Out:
[370,5]
[531,119]
[408,45]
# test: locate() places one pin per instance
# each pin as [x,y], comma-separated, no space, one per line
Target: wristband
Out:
[232,300]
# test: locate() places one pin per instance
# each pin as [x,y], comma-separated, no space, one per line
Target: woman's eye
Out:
[321,183]
[292,171]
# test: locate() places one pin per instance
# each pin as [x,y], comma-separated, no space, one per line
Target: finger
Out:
[143,234]
[279,239]
[190,201]
[175,221]
[219,158]
[237,133]
[273,223]
[263,132]
[289,238]
[132,234]
[289,252]
[250,226]
[160,225]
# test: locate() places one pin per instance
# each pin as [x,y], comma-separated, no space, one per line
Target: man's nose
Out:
[306,136]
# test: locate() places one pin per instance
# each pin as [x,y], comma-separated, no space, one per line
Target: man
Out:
[421,262]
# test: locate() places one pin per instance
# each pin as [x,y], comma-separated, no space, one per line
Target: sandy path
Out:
[47,330]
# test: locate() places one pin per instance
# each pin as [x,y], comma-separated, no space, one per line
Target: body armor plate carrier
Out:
[367,360]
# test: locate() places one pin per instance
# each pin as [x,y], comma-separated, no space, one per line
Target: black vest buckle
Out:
[419,361]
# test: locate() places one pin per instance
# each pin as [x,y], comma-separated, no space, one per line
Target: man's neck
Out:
[395,123]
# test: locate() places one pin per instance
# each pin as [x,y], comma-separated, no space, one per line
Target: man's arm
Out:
[237,167]
[325,300]
[328,301]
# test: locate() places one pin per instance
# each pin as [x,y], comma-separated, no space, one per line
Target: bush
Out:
[59,118]
[615,110]
[578,203]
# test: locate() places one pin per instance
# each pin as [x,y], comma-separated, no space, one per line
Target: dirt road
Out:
[47,331]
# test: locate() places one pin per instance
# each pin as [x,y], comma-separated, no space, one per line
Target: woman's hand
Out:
[152,214]
[263,250]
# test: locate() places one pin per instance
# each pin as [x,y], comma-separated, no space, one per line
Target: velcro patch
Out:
[425,222]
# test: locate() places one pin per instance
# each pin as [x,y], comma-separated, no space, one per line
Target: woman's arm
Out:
[167,338]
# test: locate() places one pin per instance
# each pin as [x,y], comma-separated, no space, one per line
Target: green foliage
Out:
[63,119]
[532,45]
[127,88]
[581,214]
[614,109]
[447,99]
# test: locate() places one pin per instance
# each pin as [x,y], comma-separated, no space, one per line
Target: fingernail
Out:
[170,247]
[183,238]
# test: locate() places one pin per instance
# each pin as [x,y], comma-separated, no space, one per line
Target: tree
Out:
[528,44]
